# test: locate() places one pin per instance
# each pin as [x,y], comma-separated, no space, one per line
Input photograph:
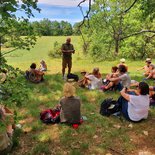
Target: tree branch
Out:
[87,15]
[137,33]
[130,6]
[9,52]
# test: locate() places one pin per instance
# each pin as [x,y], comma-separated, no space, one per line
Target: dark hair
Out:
[144,88]
[122,68]
[33,66]
[114,68]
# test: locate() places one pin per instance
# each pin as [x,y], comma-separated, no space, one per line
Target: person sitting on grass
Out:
[34,75]
[122,62]
[152,95]
[147,68]
[94,79]
[70,106]
[123,79]
[106,83]
[3,75]
[135,107]
[43,66]
[151,74]
[96,73]
[6,130]
[83,82]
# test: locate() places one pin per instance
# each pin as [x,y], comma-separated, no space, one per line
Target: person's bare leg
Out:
[69,70]
[63,71]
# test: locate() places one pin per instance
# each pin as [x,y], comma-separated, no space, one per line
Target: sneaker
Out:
[64,78]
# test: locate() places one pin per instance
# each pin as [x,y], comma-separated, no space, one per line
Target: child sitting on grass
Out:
[43,66]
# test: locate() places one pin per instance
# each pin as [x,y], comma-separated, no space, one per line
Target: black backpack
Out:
[73,76]
[109,106]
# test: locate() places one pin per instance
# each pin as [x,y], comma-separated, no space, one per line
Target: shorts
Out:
[67,62]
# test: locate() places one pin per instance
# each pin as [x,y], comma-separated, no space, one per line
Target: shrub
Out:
[56,50]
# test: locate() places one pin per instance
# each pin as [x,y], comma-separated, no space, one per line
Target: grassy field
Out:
[98,135]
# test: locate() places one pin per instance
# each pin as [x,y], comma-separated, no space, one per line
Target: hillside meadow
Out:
[98,135]
[23,58]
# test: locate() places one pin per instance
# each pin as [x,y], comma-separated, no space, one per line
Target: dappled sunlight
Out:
[52,133]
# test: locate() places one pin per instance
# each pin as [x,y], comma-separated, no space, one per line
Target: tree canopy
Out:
[119,28]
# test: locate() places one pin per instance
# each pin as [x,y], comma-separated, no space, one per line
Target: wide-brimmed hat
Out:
[83,71]
[148,59]
[122,60]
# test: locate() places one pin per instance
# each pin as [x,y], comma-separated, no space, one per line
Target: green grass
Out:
[97,135]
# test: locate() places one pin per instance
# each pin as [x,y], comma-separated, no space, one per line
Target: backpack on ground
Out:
[109,106]
[50,116]
[73,76]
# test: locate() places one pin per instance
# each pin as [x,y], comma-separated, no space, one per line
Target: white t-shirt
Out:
[138,107]
[94,81]
[125,80]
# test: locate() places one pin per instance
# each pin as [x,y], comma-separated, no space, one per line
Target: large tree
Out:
[116,23]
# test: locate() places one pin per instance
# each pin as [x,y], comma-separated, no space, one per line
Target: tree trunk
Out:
[0,51]
[116,46]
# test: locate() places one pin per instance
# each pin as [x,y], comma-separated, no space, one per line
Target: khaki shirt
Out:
[67,47]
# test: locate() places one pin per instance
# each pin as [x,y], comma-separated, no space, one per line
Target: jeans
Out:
[124,107]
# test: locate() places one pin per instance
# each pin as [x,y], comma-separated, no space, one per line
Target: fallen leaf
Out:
[117,126]
[95,137]
[130,126]
[145,133]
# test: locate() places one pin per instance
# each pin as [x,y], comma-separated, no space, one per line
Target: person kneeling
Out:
[70,106]
[135,107]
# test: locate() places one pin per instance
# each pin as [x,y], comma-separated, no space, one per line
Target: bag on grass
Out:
[73,76]
[50,116]
[109,106]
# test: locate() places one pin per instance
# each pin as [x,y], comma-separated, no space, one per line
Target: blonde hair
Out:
[68,90]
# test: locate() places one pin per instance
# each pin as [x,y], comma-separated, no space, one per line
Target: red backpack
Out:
[50,116]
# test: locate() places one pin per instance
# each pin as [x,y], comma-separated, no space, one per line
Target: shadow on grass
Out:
[97,135]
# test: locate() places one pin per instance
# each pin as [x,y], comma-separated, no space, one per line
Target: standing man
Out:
[67,50]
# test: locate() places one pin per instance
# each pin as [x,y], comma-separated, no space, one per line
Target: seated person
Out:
[6,133]
[84,81]
[96,73]
[106,83]
[122,62]
[34,75]
[43,66]
[135,107]
[122,80]
[151,74]
[152,95]
[70,105]
[3,75]
[147,68]
[94,79]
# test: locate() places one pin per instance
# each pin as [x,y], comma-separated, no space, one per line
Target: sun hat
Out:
[122,60]
[83,71]
[148,59]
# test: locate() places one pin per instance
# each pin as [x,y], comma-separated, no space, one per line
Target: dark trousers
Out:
[124,106]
